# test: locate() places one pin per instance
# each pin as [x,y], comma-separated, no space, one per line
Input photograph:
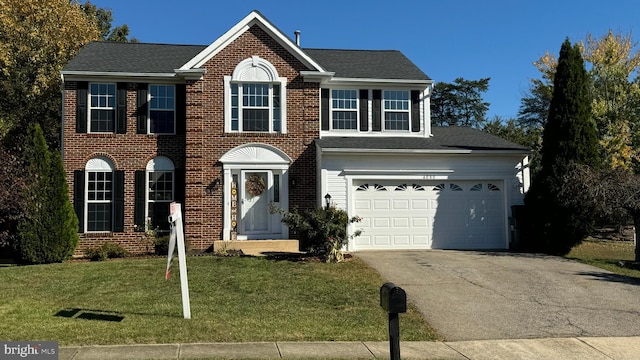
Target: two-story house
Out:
[255,120]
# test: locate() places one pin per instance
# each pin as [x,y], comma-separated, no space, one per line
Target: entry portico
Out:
[247,211]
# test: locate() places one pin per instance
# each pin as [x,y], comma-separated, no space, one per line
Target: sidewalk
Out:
[617,348]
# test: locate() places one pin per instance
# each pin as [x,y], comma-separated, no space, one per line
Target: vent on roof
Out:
[297,33]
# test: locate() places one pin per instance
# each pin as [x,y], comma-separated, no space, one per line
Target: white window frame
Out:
[97,165]
[90,95]
[158,164]
[385,110]
[149,119]
[255,70]
[356,110]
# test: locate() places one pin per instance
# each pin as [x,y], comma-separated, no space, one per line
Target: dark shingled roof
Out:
[444,138]
[368,64]
[106,56]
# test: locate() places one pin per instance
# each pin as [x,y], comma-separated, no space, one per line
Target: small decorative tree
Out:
[324,231]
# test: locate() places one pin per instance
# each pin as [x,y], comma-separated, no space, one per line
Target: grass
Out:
[606,254]
[233,299]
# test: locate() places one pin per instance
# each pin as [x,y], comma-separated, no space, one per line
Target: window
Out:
[344,109]
[396,110]
[258,110]
[255,98]
[160,191]
[162,119]
[102,107]
[99,194]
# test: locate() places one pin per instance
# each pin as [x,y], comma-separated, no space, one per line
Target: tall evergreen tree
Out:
[48,231]
[569,137]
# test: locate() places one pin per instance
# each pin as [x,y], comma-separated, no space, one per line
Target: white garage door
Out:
[430,215]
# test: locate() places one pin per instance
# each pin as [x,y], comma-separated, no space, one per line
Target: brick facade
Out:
[205,142]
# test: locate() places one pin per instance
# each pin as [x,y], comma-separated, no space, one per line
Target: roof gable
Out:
[254,18]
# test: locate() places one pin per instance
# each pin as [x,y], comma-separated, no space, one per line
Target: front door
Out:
[255,196]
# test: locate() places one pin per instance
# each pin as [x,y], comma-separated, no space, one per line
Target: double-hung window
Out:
[160,191]
[255,107]
[102,107]
[344,109]
[162,105]
[396,110]
[255,98]
[99,195]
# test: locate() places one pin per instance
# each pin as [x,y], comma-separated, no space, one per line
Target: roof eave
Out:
[353,151]
[317,76]
[83,74]
[190,74]
[406,82]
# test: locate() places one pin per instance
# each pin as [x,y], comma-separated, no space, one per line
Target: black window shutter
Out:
[415,110]
[181,109]
[364,110]
[118,201]
[142,104]
[81,107]
[180,190]
[377,110]
[78,197]
[179,184]
[121,109]
[139,210]
[324,109]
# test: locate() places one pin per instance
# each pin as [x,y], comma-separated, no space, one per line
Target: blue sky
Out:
[446,39]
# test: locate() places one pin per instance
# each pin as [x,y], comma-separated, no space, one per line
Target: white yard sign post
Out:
[177,235]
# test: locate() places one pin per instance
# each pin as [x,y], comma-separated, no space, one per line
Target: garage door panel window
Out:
[493,187]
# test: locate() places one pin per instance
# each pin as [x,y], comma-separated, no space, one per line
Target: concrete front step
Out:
[257,247]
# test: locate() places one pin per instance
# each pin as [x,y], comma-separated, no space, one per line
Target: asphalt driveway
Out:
[483,295]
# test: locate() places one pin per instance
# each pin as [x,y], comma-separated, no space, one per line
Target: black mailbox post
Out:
[393,300]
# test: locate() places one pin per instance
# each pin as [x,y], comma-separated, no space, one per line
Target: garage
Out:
[398,214]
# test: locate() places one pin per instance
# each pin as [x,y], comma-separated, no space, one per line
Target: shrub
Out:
[161,245]
[108,250]
[322,231]
[48,232]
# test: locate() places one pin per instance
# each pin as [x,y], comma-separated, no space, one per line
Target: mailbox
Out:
[393,299]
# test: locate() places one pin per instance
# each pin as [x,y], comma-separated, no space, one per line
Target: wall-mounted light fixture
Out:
[213,186]
[327,200]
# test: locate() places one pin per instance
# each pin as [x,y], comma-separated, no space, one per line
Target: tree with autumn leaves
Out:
[37,39]
[569,137]
[614,89]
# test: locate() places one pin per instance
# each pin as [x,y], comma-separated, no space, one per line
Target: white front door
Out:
[255,195]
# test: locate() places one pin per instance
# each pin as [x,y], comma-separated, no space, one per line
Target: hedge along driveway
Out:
[232,299]
[469,295]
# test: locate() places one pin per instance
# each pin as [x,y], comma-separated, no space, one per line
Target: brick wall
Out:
[205,142]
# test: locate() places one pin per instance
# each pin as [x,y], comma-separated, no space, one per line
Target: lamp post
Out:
[327,200]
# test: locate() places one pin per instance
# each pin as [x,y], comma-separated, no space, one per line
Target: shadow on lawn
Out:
[101,315]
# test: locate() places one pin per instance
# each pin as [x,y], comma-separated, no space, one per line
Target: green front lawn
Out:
[233,299]
[606,254]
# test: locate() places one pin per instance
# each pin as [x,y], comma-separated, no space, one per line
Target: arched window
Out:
[160,192]
[255,98]
[99,197]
